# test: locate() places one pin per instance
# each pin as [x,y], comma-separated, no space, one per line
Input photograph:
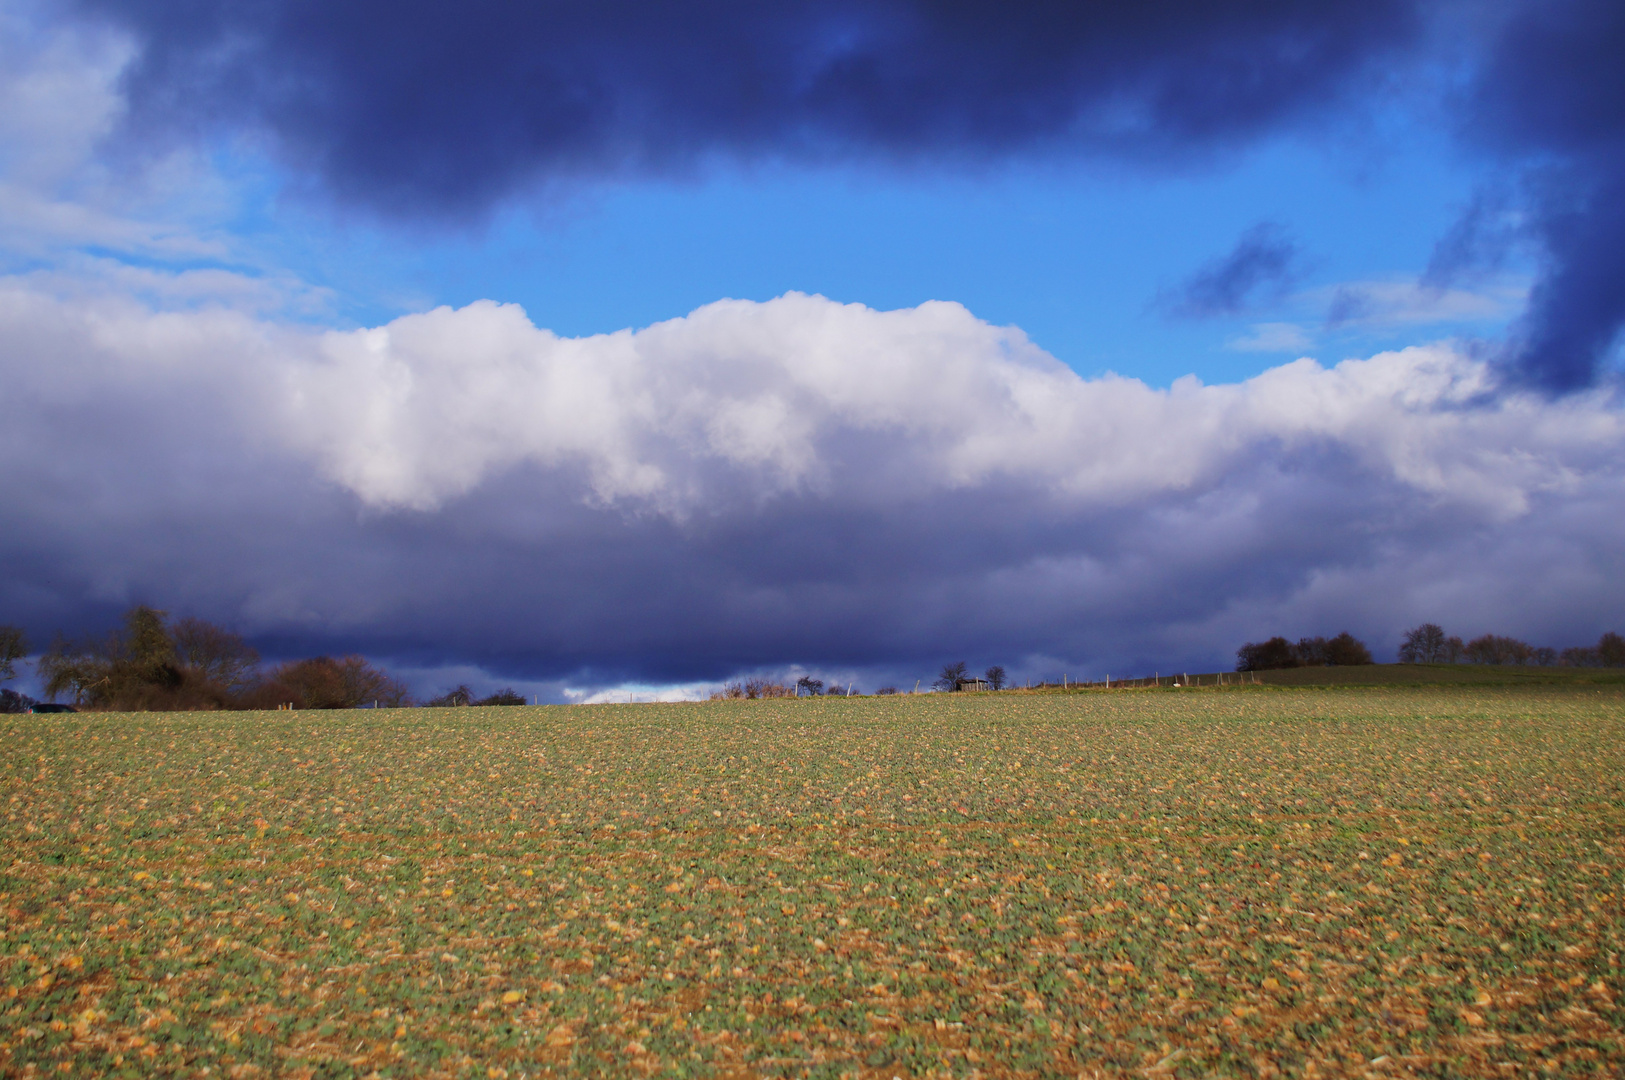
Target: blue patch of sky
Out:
[1077,256]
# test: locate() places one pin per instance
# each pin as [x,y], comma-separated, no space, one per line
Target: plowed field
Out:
[1240,882]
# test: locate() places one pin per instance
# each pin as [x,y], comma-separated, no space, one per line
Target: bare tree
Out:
[953,676]
[1345,650]
[13,647]
[751,689]
[457,697]
[215,653]
[506,696]
[995,676]
[1423,644]
[1578,656]
[1608,652]
[1494,649]
[812,686]
[460,696]
[1269,655]
[146,644]
[79,670]
[13,702]
[131,669]
[325,683]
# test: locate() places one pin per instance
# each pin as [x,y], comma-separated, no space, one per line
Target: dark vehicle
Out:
[48,706]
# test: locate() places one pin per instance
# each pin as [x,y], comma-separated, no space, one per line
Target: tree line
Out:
[1344,650]
[151,663]
[1428,644]
[154,664]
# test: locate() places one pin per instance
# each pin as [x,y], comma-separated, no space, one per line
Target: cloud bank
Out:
[432,108]
[803,397]
[757,485]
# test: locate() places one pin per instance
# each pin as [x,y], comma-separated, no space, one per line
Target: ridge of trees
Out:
[1428,644]
[460,696]
[1344,650]
[152,664]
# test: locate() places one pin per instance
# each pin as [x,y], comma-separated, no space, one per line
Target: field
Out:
[1165,883]
[1481,675]
[1397,675]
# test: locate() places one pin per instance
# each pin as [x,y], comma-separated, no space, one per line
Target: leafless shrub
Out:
[752,689]
[325,683]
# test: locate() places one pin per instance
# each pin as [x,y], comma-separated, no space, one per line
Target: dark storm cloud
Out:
[418,107]
[1551,100]
[1264,261]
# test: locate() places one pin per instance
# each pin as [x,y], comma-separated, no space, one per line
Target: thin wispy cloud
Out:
[1392,304]
[1262,266]
[60,102]
[1273,337]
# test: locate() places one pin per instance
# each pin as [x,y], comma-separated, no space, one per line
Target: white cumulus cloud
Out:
[801,394]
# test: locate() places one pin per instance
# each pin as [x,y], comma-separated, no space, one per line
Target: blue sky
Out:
[1077,256]
[225,233]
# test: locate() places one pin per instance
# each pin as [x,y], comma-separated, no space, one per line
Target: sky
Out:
[635,348]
